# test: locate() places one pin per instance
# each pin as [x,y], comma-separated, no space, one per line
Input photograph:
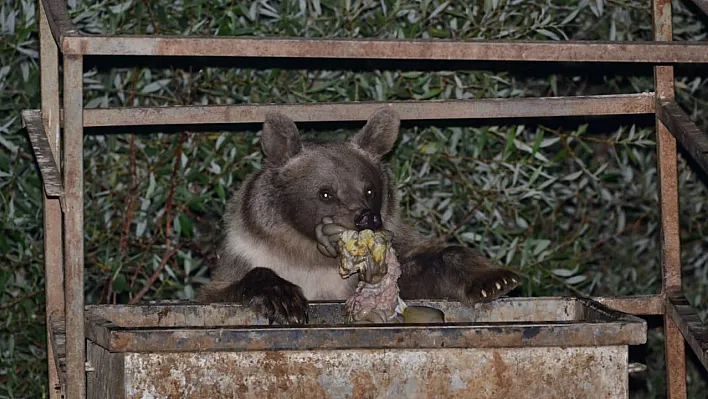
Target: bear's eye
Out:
[326,194]
[369,193]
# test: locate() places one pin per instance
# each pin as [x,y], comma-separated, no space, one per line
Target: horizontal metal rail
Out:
[43,152]
[692,139]
[625,104]
[409,49]
[636,305]
[693,330]
[72,42]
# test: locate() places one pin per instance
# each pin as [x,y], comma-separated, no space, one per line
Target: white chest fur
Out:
[318,282]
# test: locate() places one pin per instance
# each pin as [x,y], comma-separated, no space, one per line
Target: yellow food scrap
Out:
[378,247]
[358,243]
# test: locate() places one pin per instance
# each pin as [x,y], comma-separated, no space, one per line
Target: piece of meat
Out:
[376,303]
[370,255]
[376,298]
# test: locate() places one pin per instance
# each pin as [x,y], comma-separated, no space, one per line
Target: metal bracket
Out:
[53,186]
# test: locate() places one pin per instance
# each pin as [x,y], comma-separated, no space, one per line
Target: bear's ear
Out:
[380,132]
[280,139]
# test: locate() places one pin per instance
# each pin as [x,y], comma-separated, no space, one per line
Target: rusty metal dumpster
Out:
[514,347]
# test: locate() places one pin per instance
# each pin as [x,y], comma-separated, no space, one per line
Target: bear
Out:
[280,227]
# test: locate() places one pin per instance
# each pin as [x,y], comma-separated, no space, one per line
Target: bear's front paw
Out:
[281,303]
[491,284]
[328,233]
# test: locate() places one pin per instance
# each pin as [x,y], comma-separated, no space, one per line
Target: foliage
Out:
[570,204]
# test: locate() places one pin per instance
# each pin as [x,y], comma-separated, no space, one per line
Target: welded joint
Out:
[53,186]
[60,23]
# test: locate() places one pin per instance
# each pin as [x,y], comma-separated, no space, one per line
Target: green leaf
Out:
[120,284]
[429,94]
[548,33]
[576,279]
[509,144]
[564,272]
[541,245]
[220,191]
[187,227]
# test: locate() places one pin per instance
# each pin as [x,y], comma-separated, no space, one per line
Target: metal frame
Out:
[63,202]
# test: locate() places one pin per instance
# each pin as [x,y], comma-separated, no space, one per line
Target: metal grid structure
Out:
[57,130]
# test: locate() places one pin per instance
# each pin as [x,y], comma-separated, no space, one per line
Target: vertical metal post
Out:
[53,256]
[667,171]
[74,226]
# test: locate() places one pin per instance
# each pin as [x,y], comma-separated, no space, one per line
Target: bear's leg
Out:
[454,273]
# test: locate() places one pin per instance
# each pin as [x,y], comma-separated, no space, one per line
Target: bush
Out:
[572,204]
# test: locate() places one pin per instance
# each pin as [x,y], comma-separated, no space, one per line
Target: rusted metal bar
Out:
[58,19]
[616,104]
[685,131]
[370,337]
[692,328]
[43,151]
[667,173]
[74,226]
[642,103]
[667,160]
[510,323]
[53,223]
[702,4]
[188,314]
[410,49]
[636,305]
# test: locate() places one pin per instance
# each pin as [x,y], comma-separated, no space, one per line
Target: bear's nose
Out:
[368,219]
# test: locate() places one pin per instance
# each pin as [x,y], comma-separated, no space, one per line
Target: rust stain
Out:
[482,373]
[83,47]
[500,369]
[363,384]
[162,313]
[118,342]
[256,345]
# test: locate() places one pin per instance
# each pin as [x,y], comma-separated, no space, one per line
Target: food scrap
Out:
[376,299]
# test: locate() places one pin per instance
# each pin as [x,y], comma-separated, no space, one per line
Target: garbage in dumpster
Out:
[371,256]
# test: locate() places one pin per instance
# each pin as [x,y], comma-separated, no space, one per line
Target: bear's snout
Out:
[368,219]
